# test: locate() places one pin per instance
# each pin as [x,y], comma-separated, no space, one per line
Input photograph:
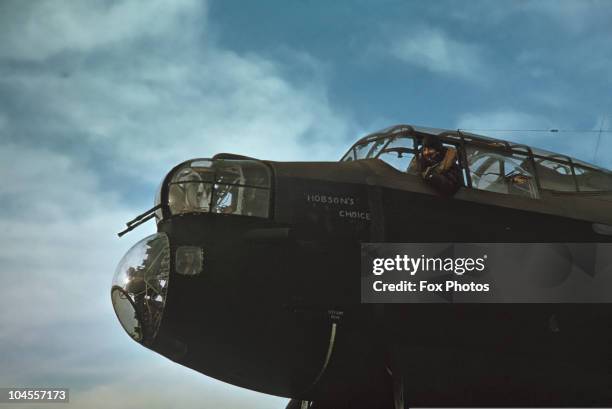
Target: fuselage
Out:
[275,304]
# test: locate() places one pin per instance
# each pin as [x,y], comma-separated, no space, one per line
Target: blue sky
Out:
[99,99]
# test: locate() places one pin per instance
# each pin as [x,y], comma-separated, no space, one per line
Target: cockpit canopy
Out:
[227,186]
[488,164]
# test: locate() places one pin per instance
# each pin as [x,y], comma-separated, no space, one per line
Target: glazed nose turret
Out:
[140,286]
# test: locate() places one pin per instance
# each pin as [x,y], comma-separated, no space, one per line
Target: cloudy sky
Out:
[99,99]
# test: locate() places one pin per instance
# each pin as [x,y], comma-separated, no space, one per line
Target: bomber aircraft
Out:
[253,277]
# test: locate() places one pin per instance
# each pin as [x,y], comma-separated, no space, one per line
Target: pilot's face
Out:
[429,153]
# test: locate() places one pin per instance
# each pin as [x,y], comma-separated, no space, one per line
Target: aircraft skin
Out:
[277,309]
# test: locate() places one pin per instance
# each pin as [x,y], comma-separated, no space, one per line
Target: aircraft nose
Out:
[140,286]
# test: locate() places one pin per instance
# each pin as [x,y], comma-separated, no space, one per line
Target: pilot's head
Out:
[432,148]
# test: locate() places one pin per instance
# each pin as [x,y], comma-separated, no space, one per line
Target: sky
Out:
[100,99]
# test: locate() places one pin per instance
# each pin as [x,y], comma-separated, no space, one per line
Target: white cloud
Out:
[577,16]
[57,253]
[550,98]
[38,30]
[436,51]
[573,16]
[95,85]
[155,117]
[57,244]
[152,108]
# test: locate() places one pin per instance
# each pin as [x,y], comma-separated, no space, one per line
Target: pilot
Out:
[438,166]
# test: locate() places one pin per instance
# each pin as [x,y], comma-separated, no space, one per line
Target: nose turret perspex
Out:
[140,286]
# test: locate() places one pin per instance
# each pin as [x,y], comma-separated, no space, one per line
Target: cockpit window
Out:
[397,150]
[486,174]
[494,165]
[361,150]
[499,172]
[555,175]
[350,155]
[240,187]
[369,149]
[592,180]
[399,153]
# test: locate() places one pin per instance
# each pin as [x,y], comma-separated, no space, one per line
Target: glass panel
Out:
[247,201]
[397,129]
[494,143]
[196,171]
[187,192]
[555,175]
[125,310]
[242,187]
[189,197]
[242,172]
[519,176]
[589,165]
[189,260]
[350,155]
[399,153]
[400,143]
[400,161]
[432,131]
[486,174]
[591,180]
[377,145]
[549,154]
[366,150]
[501,173]
[140,285]
[362,149]
[519,148]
